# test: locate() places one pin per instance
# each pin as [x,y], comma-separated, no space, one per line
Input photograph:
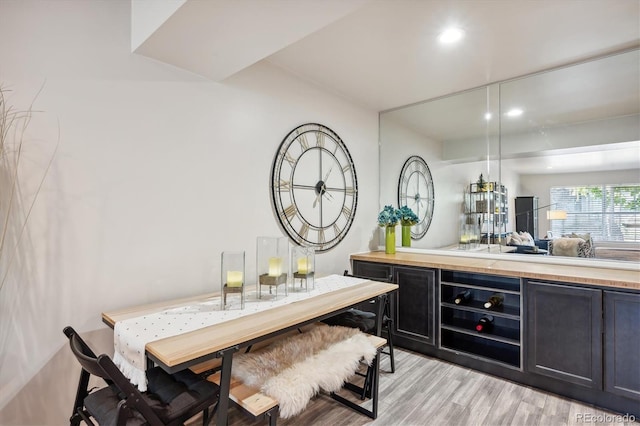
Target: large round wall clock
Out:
[314,188]
[415,190]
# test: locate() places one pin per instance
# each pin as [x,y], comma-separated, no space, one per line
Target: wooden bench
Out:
[250,400]
[260,406]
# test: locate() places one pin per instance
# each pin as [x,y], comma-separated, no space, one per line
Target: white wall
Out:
[157,171]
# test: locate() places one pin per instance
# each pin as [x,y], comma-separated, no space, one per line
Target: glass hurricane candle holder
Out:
[272,266]
[303,267]
[232,276]
[469,237]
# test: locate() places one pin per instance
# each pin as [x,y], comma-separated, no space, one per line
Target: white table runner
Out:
[132,335]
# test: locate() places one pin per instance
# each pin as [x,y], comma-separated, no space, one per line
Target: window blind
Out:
[607,212]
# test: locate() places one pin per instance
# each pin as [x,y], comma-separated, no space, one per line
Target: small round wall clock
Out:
[415,190]
[314,188]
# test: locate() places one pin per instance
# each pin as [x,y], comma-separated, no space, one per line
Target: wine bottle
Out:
[462,297]
[485,324]
[494,301]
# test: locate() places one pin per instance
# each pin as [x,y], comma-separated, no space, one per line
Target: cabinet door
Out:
[415,304]
[371,270]
[564,333]
[622,344]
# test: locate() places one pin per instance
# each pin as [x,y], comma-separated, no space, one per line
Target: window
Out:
[607,212]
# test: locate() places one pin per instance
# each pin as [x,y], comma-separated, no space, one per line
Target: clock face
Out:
[415,190]
[314,188]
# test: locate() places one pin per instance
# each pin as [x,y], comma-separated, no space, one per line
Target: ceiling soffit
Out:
[217,38]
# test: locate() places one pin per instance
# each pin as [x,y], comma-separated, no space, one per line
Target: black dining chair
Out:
[365,320]
[171,399]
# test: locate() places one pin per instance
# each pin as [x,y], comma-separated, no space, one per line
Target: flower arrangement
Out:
[407,216]
[389,216]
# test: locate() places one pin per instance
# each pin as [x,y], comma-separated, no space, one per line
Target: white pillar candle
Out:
[234,278]
[275,266]
[303,266]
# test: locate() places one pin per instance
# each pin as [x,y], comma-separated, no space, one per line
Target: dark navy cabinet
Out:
[622,344]
[577,340]
[564,333]
[415,305]
[371,270]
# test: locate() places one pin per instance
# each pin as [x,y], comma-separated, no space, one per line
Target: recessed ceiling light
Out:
[487,116]
[450,35]
[514,112]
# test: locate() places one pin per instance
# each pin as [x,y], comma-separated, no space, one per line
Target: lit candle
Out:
[275,266]
[234,278]
[303,266]
[464,238]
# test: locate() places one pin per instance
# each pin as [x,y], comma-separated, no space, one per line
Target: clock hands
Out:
[321,188]
[315,202]
[323,191]
[327,175]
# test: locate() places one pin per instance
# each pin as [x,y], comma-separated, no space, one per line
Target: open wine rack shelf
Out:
[500,343]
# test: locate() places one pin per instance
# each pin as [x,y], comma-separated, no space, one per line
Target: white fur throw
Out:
[293,370]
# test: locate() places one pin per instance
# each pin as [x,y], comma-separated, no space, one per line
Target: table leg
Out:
[225,384]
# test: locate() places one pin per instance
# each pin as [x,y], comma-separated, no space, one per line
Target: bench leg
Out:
[272,415]
[373,376]
[375,380]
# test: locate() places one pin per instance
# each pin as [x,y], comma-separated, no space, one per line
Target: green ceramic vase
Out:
[406,235]
[390,240]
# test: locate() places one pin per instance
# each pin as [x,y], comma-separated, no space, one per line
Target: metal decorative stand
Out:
[303,267]
[272,266]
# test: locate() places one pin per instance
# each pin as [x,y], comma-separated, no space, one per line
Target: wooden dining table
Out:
[222,340]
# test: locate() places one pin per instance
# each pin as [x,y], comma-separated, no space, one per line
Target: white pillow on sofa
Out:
[527,239]
[566,246]
[514,239]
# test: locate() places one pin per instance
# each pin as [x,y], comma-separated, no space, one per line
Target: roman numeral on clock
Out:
[303,142]
[346,211]
[290,212]
[285,186]
[304,231]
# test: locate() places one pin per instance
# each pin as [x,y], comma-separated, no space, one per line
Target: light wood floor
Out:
[427,391]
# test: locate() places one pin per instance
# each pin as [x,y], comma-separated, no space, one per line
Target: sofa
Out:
[572,245]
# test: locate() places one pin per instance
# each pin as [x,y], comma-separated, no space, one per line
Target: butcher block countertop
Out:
[619,277]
